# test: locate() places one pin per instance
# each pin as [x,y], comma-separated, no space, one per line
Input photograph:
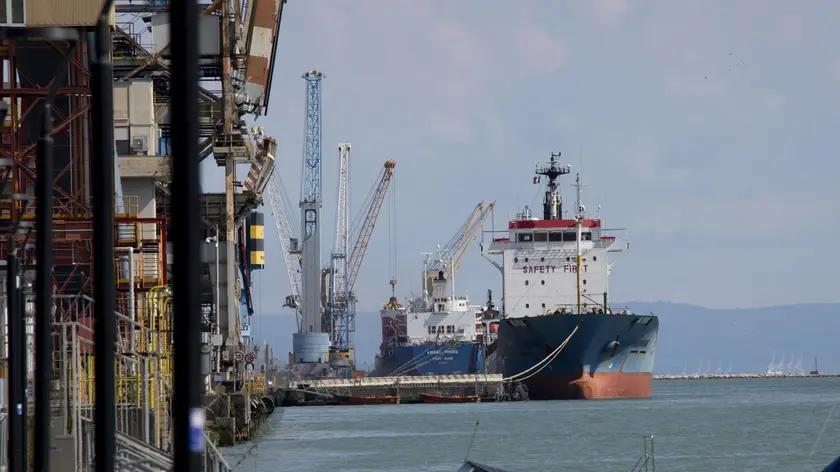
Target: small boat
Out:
[429,398]
[351,400]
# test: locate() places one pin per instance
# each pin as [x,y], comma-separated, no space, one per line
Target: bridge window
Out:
[526,259]
[527,305]
[569,236]
[431,330]
[586,236]
[525,237]
[541,237]
[555,236]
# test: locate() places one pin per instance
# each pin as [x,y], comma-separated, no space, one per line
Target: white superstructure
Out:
[541,257]
[438,317]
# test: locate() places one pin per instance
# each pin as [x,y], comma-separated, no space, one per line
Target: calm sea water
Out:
[701,425]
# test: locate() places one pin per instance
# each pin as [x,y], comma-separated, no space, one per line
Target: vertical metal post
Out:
[187,411]
[43,290]
[102,81]
[218,305]
[17,373]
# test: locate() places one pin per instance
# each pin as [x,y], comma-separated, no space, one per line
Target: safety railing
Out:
[125,206]
[143,374]
[143,269]
[136,231]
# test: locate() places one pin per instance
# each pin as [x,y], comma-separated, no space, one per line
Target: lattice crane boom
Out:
[287,230]
[310,206]
[445,254]
[366,230]
[340,325]
[342,216]
[469,237]
[447,258]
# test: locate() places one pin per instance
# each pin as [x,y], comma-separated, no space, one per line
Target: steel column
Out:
[187,411]
[105,334]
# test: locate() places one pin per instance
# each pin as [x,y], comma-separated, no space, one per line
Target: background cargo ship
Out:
[555,283]
[438,332]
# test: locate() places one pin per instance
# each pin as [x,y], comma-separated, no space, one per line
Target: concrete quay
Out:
[235,416]
[490,387]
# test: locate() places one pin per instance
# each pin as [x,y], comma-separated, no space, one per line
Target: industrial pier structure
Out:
[237,42]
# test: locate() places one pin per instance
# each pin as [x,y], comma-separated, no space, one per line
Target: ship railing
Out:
[590,307]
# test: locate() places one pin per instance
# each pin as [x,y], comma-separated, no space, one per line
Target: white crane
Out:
[287,228]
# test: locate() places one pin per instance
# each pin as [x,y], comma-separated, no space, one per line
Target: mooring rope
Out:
[545,361]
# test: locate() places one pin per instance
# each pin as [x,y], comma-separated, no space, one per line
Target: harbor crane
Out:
[300,242]
[346,320]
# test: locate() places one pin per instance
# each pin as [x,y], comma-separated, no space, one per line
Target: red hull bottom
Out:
[600,385]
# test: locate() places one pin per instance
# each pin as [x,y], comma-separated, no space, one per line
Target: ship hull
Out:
[610,356]
[458,359]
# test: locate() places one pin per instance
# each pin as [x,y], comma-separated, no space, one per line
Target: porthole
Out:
[542,282]
[526,282]
[568,259]
[515,259]
[543,305]
[542,259]
[526,259]
[594,258]
[527,305]
[584,281]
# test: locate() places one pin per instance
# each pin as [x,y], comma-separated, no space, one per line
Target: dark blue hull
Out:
[610,356]
[432,360]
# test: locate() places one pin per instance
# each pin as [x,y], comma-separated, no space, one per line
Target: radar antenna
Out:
[552,204]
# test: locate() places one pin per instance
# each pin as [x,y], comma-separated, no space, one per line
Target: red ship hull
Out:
[349,400]
[429,398]
[599,385]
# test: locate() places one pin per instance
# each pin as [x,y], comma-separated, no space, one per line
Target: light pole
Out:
[216,346]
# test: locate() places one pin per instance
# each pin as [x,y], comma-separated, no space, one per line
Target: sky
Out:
[706,128]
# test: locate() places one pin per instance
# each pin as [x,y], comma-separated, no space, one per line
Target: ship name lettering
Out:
[539,269]
[573,268]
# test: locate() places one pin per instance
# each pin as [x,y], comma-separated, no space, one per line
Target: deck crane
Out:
[449,257]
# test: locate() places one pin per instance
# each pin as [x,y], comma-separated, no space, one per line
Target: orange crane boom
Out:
[363,238]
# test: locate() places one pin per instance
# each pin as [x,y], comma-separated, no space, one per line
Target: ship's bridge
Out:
[529,233]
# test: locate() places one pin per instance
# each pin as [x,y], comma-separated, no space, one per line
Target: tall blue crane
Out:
[310,206]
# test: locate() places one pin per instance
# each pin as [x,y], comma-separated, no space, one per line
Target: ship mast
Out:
[579,224]
[552,203]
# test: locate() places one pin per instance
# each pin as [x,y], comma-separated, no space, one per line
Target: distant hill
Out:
[690,336]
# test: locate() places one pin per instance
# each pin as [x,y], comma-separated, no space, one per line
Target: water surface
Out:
[698,425]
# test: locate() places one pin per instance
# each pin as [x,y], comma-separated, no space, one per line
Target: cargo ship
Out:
[557,332]
[435,334]
[438,332]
